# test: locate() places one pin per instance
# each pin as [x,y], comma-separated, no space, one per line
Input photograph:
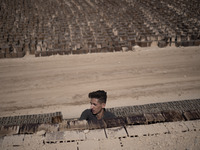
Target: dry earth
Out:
[61,83]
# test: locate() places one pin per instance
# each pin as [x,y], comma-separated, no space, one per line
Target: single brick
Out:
[95,134]
[193,125]
[20,54]
[172,116]
[99,124]
[116,132]
[88,145]
[47,127]
[176,127]
[2,55]
[78,124]
[154,117]
[115,122]
[145,130]
[136,119]
[74,135]
[9,130]
[54,137]
[28,128]
[111,144]
[192,115]
[57,119]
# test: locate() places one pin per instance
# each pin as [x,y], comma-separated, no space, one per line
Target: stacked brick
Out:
[144,114]
[85,26]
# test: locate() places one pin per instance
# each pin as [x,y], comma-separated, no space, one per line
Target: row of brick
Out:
[29,119]
[119,137]
[180,106]
[72,125]
[165,112]
[75,25]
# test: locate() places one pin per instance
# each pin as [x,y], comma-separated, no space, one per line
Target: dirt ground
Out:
[61,83]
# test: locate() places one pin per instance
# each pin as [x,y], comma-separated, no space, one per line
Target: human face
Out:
[96,107]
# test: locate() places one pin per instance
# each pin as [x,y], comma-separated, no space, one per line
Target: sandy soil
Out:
[62,83]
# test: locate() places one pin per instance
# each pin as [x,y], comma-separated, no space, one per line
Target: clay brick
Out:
[16,140]
[136,119]
[145,130]
[54,52]
[115,122]
[84,51]
[37,54]
[54,137]
[80,51]
[32,51]
[33,141]
[197,43]
[118,48]
[47,127]
[110,49]
[95,134]
[177,44]
[111,144]
[57,119]
[49,53]
[88,145]
[94,50]
[19,49]
[43,53]
[193,125]
[60,146]
[104,50]
[154,117]
[67,52]
[162,44]
[74,135]
[8,55]
[172,116]
[78,124]
[14,55]
[28,128]
[20,54]
[61,52]
[142,43]
[99,124]
[2,55]
[116,132]
[9,130]
[192,115]
[185,43]
[176,127]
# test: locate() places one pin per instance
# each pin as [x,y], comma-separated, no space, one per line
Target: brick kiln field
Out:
[131,75]
[46,28]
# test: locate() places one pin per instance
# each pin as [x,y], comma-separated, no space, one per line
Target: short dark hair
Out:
[100,95]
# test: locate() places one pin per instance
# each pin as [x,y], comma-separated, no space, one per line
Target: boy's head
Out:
[97,101]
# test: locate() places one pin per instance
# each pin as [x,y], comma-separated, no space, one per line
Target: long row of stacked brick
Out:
[52,27]
[130,115]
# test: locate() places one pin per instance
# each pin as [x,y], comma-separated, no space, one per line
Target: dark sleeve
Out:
[84,115]
[109,115]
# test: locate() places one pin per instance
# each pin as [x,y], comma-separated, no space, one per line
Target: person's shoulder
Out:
[87,111]
[85,114]
[108,114]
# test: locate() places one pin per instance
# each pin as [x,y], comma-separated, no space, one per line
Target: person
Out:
[97,109]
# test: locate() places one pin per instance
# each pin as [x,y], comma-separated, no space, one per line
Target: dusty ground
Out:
[62,83]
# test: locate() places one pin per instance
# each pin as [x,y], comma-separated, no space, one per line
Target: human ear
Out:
[103,105]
